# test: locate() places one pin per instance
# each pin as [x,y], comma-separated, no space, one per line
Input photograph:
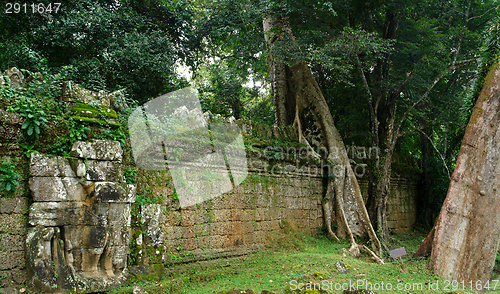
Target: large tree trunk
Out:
[317,130]
[467,231]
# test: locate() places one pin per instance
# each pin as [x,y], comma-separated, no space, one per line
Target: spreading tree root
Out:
[327,209]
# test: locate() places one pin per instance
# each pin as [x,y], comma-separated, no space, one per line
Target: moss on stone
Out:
[95,121]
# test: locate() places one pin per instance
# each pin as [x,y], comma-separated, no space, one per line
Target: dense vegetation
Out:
[422,62]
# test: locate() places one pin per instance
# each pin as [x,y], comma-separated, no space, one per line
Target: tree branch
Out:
[426,94]
[480,16]
[439,153]
[421,128]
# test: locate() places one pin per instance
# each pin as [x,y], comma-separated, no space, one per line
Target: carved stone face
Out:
[16,78]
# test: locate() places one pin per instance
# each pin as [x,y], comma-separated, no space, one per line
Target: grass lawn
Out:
[296,258]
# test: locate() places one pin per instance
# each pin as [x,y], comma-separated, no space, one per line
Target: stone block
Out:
[11,259]
[56,189]
[114,192]
[203,242]
[42,165]
[13,205]
[188,232]
[174,233]
[202,230]
[86,237]
[189,244]
[119,236]
[237,215]
[262,214]
[53,214]
[14,224]
[249,215]
[95,214]
[98,170]
[221,228]
[10,130]
[173,218]
[12,277]
[218,241]
[119,214]
[235,240]
[222,215]
[12,242]
[98,149]
[119,256]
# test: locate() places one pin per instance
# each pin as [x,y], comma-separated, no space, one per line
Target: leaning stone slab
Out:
[98,149]
[56,189]
[114,192]
[42,165]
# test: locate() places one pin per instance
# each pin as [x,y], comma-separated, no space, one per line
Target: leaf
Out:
[25,125]
[30,131]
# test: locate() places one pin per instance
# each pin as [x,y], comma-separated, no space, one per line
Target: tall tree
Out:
[300,102]
[466,236]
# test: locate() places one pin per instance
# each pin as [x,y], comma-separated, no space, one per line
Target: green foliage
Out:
[8,177]
[130,175]
[109,45]
[77,131]
[36,118]
[28,149]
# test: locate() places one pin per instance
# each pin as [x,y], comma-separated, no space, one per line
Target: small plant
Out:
[77,131]
[130,175]
[8,177]
[28,149]
[32,111]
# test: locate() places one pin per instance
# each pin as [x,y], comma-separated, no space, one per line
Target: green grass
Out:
[301,258]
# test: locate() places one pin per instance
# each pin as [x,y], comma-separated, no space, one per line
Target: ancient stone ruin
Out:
[79,222]
[73,223]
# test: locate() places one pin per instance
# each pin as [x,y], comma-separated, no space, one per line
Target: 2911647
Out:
[16,8]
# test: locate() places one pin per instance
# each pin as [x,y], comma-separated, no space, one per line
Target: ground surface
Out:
[296,258]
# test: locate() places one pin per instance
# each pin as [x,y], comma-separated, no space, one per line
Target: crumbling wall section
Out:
[79,221]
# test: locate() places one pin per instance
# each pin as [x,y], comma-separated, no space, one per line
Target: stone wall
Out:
[13,214]
[249,216]
[13,205]
[401,204]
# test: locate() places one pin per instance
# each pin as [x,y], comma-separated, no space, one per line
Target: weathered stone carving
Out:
[15,77]
[80,220]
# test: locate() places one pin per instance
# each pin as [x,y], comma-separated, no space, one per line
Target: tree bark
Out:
[467,236]
[317,130]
